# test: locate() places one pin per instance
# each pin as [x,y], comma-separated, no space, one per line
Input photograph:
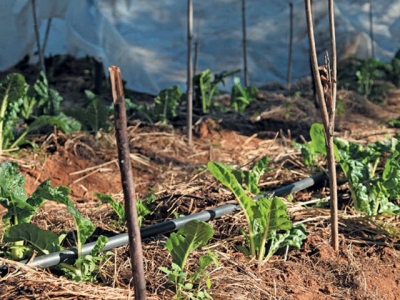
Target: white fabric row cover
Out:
[147,39]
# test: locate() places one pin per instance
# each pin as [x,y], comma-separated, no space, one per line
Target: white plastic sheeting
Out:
[147,39]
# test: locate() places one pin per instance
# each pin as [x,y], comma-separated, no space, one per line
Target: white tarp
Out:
[147,39]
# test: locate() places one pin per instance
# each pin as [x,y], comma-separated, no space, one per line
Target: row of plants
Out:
[370,77]
[21,238]
[268,228]
[25,108]
[372,171]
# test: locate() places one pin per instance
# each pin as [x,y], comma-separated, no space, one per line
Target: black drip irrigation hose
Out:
[68,255]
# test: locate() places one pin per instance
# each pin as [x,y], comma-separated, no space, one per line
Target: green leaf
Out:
[100,244]
[118,207]
[13,89]
[253,176]
[317,134]
[191,236]
[223,174]
[85,227]
[166,103]
[43,241]
[241,97]
[13,196]
[271,216]
[47,98]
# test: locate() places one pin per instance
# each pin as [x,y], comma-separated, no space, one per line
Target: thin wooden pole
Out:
[124,161]
[246,74]
[371,29]
[189,71]
[46,35]
[39,48]
[289,70]
[325,101]
[331,157]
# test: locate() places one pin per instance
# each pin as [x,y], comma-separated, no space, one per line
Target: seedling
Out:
[118,207]
[18,100]
[205,88]
[241,97]
[166,103]
[25,237]
[191,236]
[266,218]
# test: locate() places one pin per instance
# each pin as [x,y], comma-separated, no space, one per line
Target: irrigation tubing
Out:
[69,255]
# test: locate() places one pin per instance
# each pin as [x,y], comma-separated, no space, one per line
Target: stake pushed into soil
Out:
[124,161]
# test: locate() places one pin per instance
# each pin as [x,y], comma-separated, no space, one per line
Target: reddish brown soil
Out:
[366,267]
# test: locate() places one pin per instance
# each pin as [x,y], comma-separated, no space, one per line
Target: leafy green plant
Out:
[312,151]
[13,90]
[372,192]
[191,236]
[118,207]
[266,218]
[20,210]
[135,110]
[395,74]
[251,177]
[48,99]
[241,97]
[166,103]
[25,237]
[87,267]
[17,102]
[206,88]
[94,115]
[65,123]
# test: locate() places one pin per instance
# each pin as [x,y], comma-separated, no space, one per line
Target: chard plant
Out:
[191,236]
[268,225]
[372,192]
[119,209]
[315,149]
[206,87]
[25,237]
[17,103]
[241,97]
[94,115]
[166,103]
[13,90]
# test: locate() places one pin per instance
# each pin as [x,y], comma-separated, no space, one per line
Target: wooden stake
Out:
[326,101]
[124,161]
